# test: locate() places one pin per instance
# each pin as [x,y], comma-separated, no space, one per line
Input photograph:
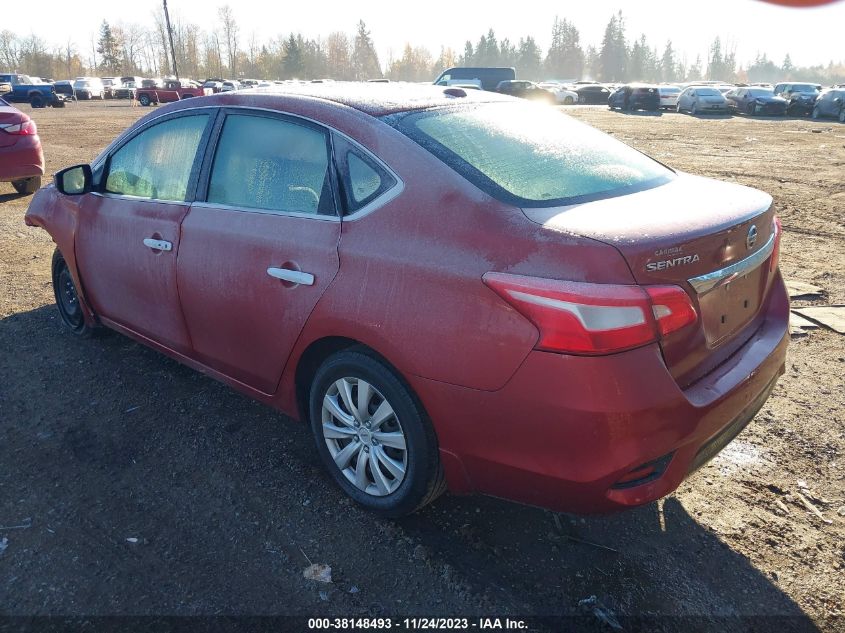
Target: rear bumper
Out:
[565,429]
[24,159]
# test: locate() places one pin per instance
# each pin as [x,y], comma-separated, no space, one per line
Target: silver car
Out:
[701,100]
[831,103]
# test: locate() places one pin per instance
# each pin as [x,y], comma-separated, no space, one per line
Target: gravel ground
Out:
[132,485]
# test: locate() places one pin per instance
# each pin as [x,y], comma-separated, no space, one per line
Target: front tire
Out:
[693,110]
[842,115]
[373,436]
[27,186]
[568,101]
[816,112]
[67,298]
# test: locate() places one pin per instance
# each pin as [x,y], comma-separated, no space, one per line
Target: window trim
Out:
[101,167]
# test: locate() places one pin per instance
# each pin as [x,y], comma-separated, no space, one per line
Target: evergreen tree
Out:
[668,65]
[529,59]
[365,63]
[293,62]
[565,59]
[614,51]
[110,50]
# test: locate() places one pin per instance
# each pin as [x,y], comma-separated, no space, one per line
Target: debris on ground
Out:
[132,539]
[23,525]
[798,325]
[832,317]
[803,290]
[318,572]
[4,543]
[601,612]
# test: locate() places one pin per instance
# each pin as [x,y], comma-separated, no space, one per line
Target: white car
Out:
[562,94]
[701,100]
[669,96]
[230,86]
[89,88]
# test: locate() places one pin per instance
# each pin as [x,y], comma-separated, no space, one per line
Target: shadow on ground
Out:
[148,488]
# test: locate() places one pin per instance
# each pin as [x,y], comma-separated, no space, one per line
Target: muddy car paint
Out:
[559,429]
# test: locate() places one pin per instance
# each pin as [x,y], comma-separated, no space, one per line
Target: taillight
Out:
[26,128]
[777,227]
[584,318]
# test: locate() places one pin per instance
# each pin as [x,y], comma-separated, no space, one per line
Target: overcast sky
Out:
[810,36]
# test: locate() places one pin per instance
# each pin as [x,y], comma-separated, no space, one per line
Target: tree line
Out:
[224,52]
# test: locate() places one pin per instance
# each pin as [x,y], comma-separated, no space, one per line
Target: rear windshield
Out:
[707,92]
[760,92]
[670,91]
[803,88]
[530,155]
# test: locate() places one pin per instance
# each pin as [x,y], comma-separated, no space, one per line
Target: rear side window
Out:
[157,163]
[362,178]
[530,155]
[271,164]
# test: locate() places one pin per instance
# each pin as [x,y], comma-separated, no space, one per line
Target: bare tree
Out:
[230,36]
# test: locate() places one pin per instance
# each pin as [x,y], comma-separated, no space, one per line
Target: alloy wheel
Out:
[364,436]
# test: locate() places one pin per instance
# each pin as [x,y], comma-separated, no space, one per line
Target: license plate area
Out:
[726,309]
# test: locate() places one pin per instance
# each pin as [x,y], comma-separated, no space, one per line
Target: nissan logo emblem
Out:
[751,238]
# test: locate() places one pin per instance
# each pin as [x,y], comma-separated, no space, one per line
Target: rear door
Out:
[260,246]
[127,242]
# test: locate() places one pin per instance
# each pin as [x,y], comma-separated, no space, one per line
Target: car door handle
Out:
[294,276]
[158,245]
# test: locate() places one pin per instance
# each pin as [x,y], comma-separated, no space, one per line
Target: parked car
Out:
[485,77]
[594,94]
[603,354]
[109,85]
[563,95]
[25,90]
[64,87]
[701,100]
[830,103]
[21,158]
[525,90]
[800,97]
[669,96]
[214,86]
[126,90]
[753,101]
[230,86]
[172,90]
[151,83]
[89,88]
[635,97]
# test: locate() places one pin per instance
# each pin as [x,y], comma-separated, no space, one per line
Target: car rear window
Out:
[530,155]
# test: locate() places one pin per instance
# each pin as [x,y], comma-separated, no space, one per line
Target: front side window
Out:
[530,155]
[271,164]
[157,163]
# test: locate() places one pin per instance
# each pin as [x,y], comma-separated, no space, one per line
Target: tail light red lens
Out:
[25,128]
[778,230]
[584,318]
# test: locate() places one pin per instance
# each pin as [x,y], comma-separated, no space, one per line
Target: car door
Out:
[127,241]
[260,246]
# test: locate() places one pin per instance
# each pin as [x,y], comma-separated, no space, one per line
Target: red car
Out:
[21,158]
[172,90]
[453,288]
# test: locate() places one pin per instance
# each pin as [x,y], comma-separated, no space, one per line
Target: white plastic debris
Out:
[132,539]
[318,572]
[4,543]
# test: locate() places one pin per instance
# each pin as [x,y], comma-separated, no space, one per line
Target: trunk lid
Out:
[712,238]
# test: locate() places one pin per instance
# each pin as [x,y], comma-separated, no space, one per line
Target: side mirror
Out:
[74,181]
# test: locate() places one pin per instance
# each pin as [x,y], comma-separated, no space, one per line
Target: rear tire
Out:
[67,298]
[144,100]
[842,115]
[27,186]
[749,109]
[693,110]
[37,101]
[816,112]
[387,462]
[568,101]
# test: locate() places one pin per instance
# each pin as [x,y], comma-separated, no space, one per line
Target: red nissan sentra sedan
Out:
[21,158]
[455,289]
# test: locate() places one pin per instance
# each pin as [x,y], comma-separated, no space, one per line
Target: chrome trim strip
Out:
[121,196]
[705,283]
[293,214]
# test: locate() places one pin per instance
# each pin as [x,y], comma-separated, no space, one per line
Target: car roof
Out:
[378,99]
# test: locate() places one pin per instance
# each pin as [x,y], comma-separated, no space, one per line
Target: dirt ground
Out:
[132,485]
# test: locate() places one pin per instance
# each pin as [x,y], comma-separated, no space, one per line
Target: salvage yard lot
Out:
[133,485]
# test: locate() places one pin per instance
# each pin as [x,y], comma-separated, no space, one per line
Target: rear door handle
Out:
[294,276]
[158,245]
